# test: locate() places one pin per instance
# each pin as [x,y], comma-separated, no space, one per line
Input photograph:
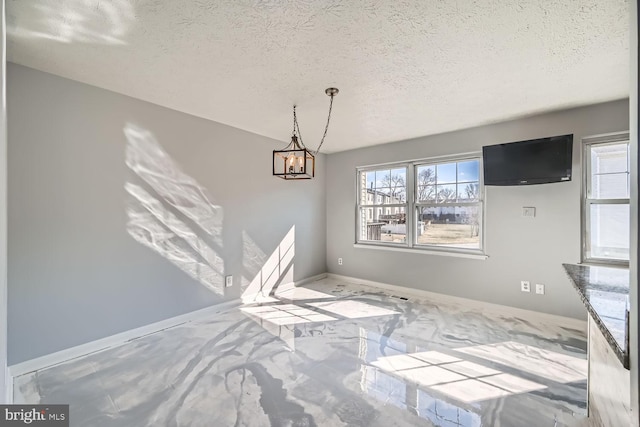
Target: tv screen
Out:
[536,161]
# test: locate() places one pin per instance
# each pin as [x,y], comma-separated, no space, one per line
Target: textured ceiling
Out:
[404,68]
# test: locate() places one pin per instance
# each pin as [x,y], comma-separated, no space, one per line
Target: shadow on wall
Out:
[171,213]
[158,215]
[277,269]
[84,21]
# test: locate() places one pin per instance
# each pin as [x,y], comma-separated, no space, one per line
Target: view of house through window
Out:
[383,205]
[443,200]
[606,214]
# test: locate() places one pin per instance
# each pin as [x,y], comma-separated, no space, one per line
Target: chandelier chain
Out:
[327,125]
[294,121]
[296,127]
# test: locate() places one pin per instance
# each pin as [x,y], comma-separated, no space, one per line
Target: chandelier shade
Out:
[296,161]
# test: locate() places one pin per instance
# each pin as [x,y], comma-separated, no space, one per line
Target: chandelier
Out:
[296,161]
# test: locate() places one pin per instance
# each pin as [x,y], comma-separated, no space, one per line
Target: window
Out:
[448,205]
[422,205]
[606,221]
[383,205]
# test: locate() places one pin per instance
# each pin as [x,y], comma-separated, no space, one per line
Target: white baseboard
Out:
[116,340]
[311,279]
[480,305]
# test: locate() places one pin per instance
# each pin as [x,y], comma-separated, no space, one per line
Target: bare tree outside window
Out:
[446,211]
[449,204]
[396,184]
[472,191]
[446,195]
[383,211]
[426,181]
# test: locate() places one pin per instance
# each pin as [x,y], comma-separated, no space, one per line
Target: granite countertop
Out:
[605,293]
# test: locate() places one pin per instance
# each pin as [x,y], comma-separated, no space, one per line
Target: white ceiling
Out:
[404,68]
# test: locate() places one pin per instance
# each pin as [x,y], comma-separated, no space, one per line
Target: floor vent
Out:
[402,298]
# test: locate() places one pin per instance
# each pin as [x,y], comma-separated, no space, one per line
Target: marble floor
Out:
[330,354]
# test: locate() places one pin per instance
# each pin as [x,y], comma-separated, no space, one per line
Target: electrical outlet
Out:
[228,281]
[339,261]
[539,289]
[525,286]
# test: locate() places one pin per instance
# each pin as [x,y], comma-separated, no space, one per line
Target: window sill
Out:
[451,253]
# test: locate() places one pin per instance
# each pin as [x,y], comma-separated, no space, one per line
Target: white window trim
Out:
[411,206]
[407,167]
[454,252]
[586,202]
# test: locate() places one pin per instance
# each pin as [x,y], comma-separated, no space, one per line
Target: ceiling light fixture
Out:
[295,161]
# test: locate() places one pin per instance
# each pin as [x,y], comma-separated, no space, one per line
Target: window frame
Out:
[412,205]
[587,201]
[374,206]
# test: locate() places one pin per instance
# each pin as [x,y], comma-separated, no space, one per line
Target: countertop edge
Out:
[621,354]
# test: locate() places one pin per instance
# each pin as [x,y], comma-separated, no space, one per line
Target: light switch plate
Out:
[528,211]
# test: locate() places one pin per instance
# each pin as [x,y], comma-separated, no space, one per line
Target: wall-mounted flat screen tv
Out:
[536,161]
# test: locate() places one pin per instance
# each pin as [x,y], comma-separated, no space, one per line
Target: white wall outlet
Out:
[228,281]
[528,211]
[525,286]
[539,289]
[339,261]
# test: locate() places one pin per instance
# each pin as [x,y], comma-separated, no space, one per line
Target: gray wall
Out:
[91,169]
[3,213]
[518,248]
[634,342]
